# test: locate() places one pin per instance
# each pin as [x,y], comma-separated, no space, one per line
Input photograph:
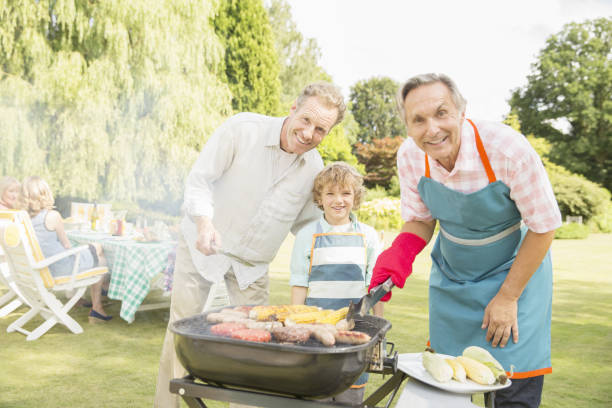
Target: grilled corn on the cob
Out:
[334,316]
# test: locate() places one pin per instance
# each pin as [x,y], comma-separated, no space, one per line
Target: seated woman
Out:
[49,229]
[10,189]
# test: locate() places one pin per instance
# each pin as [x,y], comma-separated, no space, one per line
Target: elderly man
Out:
[250,186]
[491,272]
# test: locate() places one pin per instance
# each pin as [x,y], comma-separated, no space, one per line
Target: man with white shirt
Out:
[250,186]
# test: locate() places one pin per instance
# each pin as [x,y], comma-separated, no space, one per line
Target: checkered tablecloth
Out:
[132,264]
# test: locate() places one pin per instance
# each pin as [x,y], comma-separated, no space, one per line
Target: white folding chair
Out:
[10,300]
[30,273]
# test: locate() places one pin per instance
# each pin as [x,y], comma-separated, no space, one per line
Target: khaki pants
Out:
[189,293]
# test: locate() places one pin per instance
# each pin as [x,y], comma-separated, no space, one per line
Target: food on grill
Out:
[435,365]
[252,324]
[335,316]
[226,329]
[236,312]
[291,334]
[279,313]
[351,337]
[344,324]
[258,335]
[243,309]
[322,333]
[458,370]
[308,317]
[482,355]
[223,317]
[476,371]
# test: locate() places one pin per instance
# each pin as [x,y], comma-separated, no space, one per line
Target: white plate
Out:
[411,364]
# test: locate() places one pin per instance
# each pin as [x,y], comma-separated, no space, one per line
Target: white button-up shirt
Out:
[254,192]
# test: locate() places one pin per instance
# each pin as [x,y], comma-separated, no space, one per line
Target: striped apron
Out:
[337,272]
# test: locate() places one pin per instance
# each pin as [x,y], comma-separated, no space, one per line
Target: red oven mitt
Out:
[396,261]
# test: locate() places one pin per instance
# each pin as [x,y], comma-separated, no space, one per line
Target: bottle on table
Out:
[94,217]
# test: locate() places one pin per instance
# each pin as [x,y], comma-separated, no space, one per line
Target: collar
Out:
[273,138]
[326,227]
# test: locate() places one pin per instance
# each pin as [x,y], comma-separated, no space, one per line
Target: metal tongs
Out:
[364,305]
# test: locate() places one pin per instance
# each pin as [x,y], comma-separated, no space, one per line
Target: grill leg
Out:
[392,385]
[193,402]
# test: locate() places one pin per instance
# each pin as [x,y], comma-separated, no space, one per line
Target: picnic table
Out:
[133,264]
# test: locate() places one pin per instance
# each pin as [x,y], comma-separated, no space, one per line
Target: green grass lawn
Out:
[115,365]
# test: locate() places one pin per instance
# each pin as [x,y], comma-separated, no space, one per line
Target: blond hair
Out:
[426,79]
[7,182]
[329,93]
[36,195]
[340,174]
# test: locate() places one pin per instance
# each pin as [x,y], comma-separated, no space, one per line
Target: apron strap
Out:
[481,151]
[483,155]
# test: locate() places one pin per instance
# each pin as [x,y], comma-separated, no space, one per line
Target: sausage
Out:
[223,317]
[352,337]
[258,335]
[322,333]
[252,324]
[345,325]
[243,309]
[236,312]
[292,334]
[226,329]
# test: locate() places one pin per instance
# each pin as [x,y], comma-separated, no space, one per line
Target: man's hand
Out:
[208,240]
[500,319]
[396,261]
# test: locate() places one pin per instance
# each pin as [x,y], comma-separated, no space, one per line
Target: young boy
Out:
[333,257]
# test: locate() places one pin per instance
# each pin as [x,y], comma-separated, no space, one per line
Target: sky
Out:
[486,47]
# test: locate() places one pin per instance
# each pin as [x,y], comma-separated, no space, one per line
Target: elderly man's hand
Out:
[208,240]
[500,319]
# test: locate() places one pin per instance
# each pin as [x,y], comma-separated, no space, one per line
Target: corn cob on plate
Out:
[411,364]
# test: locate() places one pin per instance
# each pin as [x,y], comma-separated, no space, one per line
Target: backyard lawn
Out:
[115,365]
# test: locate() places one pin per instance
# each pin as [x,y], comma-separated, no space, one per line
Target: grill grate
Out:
[198,326]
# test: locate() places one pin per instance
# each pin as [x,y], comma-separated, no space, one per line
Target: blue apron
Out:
[480,234]
[337,272]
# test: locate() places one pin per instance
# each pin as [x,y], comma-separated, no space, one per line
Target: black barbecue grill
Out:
[279,375]
[307,370]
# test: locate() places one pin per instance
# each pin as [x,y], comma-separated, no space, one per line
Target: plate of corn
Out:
[463,374]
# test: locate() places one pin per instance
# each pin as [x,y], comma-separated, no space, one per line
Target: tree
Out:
[379,158]
[251,64]
[298,57]
[335,147]
[108,100]
[372,103]
[568,99]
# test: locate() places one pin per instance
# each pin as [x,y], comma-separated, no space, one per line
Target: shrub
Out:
[381,213]
[602,222]
[576,195]
[572,230]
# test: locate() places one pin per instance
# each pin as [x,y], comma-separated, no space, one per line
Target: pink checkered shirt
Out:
[513,161]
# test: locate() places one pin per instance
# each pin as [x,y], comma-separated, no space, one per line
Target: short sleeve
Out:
[532,192]
[412,206]
[300,257]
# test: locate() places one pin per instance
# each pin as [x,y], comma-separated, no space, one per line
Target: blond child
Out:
[10,189]
[333,257]
[49,228]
